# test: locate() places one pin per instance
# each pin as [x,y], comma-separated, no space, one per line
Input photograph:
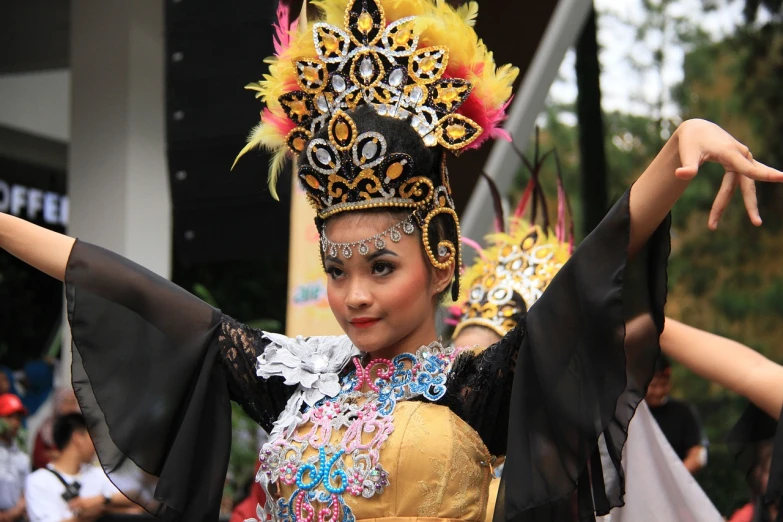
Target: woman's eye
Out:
[334,272]
[382,268]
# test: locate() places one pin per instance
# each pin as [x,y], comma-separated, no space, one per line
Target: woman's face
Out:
[475,336]
[384,301]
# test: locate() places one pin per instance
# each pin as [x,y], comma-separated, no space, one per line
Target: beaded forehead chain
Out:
[394,233]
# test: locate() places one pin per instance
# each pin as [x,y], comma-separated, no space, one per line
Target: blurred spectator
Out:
[44,449]
[37,379]
[676,418]
[251,508]
[14,463]
[70,489]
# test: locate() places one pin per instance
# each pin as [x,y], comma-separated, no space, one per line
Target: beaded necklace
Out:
[353,465]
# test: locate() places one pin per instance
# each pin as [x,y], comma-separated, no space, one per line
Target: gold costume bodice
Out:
[439,468]
[387,446]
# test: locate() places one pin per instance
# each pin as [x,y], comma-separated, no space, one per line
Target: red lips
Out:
[364,322]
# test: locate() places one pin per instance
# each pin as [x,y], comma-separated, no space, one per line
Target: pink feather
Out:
[281,123]
[283,29]
[475,246]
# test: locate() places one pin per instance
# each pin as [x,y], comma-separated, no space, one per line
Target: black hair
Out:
[662,364]
[64,428]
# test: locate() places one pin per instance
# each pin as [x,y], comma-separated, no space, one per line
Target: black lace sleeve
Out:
[148,375]
[262,399]
[566,382]
[479,388]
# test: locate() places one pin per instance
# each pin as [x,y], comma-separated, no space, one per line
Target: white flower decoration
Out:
[312,363]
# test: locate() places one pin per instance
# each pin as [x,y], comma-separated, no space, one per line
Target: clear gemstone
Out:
[323,156]
[408,228]
[347,252]
[380,244]
[443,251]
[382,109]
[364,249]
[416,94]
[395,235]
[369,149]
[430,140]
[366,68]
[322,104]
[338,83]
[333,251]
[396,77]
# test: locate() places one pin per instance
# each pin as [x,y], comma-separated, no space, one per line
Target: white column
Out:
[118,184]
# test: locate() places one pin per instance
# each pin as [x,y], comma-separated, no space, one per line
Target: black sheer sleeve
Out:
[581,363]
[756,442]
[148,375]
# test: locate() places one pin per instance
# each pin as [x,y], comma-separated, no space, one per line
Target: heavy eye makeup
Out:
[378,267]
[383,268]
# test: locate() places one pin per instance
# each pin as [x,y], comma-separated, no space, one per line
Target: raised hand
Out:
[701,141]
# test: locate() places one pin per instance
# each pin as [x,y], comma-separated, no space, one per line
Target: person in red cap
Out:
[14,463]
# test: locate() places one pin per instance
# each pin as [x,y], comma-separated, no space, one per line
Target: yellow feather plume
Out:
[266,137]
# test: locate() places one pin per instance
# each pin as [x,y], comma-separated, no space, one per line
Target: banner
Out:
[308,311]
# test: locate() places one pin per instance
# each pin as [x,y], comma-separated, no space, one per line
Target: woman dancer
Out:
[750,374]
[384,421]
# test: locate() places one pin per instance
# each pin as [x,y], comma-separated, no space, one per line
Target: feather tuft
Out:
[276,163]
[282,38]
[468,12]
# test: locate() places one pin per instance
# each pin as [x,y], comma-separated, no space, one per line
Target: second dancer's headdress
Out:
[520,261]
[368,99]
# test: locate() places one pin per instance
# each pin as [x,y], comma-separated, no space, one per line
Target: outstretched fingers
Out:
[730,180]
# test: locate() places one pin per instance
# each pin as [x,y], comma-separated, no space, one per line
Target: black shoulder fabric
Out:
[149,381]
[585,360]
[479,388]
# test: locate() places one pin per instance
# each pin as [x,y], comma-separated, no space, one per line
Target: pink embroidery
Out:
[364,375]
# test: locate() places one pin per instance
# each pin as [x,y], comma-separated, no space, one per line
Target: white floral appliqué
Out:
[312,364]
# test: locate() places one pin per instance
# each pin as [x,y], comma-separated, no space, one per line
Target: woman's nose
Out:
[358,296]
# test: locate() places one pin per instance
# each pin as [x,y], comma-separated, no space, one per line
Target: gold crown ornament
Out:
[335,83]
[508,277]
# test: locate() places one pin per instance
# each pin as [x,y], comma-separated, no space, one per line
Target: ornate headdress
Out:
[346,94]
[510,275]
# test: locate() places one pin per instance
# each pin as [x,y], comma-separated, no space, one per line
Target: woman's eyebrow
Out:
[382,252]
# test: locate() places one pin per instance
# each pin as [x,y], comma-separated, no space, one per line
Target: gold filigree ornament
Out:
[368,62]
